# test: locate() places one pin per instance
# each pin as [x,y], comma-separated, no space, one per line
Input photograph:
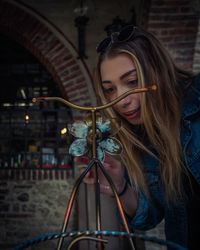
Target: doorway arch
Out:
[51,47]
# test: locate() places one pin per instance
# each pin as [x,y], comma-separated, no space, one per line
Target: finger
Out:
[89,178]
[81,159]
[111,160]
[102,177]
[108,158]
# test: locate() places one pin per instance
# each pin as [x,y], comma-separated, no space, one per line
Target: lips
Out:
[132,114]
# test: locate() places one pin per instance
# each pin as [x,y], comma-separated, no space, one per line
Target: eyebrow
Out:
[122,76]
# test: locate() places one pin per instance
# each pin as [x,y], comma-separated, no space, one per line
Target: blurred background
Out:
[47,48]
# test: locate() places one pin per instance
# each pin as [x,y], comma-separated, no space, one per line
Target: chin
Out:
[135,122]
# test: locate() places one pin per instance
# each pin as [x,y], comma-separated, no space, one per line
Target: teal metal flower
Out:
[104,141]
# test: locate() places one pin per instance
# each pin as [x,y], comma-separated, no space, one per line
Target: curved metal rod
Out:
[119,205]
[72,105]
[85,238]
[98,205]
[71,201]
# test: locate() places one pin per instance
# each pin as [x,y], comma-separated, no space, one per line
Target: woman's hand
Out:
[114,169]
[81,163]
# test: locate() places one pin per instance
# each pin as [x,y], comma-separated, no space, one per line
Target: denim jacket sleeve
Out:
[190,128]
[150,211]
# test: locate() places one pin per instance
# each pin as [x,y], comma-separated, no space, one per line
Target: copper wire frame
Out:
[94,162]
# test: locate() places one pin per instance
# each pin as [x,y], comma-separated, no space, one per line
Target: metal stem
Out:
[71,201]
[119,205]
[97,184]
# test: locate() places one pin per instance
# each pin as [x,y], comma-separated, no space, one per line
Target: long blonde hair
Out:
[160,112]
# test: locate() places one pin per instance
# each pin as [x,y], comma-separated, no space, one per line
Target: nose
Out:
[125,102]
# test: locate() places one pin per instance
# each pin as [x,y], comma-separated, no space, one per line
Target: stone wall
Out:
[32,208]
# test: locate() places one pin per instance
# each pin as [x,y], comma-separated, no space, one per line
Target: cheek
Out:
[135,103]
[136,99]
[116,108]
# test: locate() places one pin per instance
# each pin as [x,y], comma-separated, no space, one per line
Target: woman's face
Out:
[119,75]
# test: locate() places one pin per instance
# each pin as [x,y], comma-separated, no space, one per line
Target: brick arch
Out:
[51,47]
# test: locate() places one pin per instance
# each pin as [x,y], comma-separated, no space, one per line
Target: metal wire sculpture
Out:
[96,163]
[88,233]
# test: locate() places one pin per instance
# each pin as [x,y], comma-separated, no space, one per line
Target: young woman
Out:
[160,134]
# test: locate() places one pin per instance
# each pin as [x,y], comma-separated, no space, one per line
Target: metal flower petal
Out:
[83,132]
[78,147]
[100,154]
[111,145]
[104,126]
[78,129]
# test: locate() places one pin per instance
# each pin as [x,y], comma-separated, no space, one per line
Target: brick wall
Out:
[196,61]
[175,22]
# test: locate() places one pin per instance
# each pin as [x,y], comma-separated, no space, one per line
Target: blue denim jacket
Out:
[149,214]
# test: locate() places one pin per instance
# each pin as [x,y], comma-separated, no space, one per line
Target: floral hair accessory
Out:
[82,145]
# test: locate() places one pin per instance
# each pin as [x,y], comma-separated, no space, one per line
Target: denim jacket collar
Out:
[191,99]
